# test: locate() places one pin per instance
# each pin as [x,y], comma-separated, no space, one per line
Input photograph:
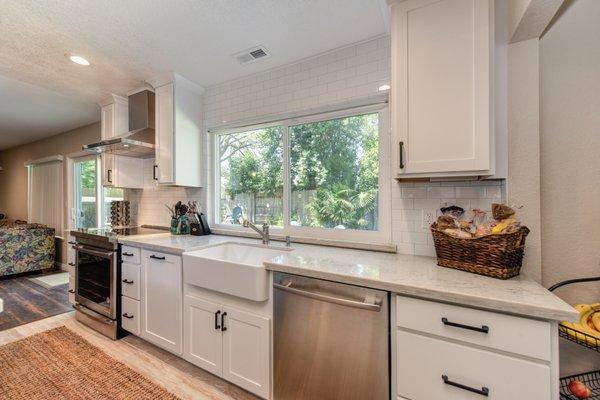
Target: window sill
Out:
[381,248]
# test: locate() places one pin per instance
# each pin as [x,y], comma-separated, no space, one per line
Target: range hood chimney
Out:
[139,141]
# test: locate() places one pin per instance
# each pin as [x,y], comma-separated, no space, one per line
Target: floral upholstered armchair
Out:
[25,248]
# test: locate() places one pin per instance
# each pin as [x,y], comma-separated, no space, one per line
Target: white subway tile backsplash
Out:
[412,193]
[470,192]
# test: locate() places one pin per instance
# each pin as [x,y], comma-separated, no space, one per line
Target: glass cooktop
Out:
[122,231]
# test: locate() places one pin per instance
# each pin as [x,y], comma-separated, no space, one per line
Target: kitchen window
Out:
[92,200]
[324,176]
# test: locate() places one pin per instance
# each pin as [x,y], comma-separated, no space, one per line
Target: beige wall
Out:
[523,185]
[570,149]
[13,179]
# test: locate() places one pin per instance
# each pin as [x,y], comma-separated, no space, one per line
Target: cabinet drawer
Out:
[130,281]
[497,331]
[425,363]
[130,315]
[131,254]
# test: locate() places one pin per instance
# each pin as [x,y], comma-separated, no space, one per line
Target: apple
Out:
[579,390]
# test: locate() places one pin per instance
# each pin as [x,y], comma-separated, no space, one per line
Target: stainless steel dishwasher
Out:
[331,340]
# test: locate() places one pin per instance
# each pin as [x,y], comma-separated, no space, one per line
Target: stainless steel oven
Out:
[96,283]
[96,278]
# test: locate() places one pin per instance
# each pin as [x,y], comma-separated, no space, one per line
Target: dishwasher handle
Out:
[327,298]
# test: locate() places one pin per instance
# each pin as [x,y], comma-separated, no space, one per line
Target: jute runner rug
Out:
[60,365]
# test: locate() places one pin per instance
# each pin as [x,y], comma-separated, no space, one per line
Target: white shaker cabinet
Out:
[448,352]
[228,342]
[118,171]
[161,300]
[178,133]
[442,88]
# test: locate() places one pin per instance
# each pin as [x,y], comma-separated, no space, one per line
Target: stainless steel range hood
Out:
[139,141]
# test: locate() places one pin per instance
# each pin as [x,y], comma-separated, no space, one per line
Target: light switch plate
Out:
[428,217]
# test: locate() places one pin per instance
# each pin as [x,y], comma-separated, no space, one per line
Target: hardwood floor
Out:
[26,301]
[172,373]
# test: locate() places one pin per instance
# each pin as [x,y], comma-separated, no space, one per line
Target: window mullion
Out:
[286,177]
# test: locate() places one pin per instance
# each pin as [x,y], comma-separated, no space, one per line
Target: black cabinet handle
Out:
[217,326]
[401,150]
[71,264]
[154,173]
[128,316]
[127,281]
[483,329]
[71,291]
[157,257]
[483,391]
[128,254]
[223,327]
[109,176]
[71,242]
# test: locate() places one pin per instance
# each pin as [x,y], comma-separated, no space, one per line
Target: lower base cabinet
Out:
[161,299]
[229,343]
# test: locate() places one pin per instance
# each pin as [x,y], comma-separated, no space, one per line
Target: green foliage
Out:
[335,162]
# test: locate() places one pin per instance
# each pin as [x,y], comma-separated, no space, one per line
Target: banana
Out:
[596,320]
[583,326]
[583,308]
[590,315]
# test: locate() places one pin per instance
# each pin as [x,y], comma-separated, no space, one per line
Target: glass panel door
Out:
[86,193]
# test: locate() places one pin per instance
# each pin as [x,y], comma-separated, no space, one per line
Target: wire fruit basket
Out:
[592,343]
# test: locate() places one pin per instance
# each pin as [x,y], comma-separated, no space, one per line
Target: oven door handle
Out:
[94,252]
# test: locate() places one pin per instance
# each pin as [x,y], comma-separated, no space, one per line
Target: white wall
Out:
[570,149]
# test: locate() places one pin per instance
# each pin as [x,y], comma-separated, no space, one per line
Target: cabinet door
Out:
[161,300]
[203,343]
[109,175]
[246,351]
[107,121]
[165,140]
[442,86]
[128,172]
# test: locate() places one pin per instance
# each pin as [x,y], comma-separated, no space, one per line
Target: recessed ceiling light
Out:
[383,88]
[79,60]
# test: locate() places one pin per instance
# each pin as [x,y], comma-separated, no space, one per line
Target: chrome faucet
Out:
[264,233]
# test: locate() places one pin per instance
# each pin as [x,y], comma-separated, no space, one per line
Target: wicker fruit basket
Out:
[499,256]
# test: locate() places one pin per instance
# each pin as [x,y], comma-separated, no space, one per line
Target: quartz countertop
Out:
[403,274]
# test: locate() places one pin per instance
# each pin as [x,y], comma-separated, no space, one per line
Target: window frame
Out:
[76,189]
[381,236]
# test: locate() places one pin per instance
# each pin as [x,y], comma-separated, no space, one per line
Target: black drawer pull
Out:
[217,326]
[71,243]
[128,316]
[127,281]
[157,257]
[128,254]
[483,329]
[223,327]
[483,391]
[71,264]
[71,291]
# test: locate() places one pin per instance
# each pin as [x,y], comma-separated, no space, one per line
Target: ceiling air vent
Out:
[251,55]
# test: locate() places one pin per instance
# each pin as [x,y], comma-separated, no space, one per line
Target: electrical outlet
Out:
[428,217]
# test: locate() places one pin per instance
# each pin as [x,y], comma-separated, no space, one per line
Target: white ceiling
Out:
[29,112]
[131,41]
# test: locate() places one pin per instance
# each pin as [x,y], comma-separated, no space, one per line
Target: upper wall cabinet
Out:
[178,132]
[114,117]
[118,171]
[443,88]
